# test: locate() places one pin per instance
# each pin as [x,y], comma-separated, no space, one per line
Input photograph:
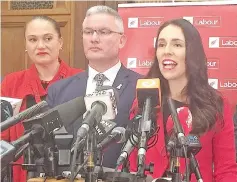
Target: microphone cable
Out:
[153,134]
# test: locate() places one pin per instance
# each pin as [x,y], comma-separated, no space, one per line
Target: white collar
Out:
[110,73]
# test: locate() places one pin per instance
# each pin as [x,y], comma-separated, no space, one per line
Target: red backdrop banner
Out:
[216,22]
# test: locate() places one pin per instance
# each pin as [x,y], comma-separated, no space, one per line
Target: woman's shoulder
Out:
[16,76]
[226,105]
[13,81]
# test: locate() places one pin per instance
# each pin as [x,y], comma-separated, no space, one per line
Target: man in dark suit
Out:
[103,37]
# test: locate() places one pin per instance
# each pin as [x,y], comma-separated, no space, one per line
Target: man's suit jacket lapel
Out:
[82,83]
[121,80]
[79,90]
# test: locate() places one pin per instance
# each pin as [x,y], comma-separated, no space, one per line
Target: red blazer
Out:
[19,85]
[218,149]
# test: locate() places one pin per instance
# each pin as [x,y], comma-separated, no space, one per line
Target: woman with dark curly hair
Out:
[180,64]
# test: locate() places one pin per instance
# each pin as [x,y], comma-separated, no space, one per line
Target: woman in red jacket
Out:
[43,44]
[180,64]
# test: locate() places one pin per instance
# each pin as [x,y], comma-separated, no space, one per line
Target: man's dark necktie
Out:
[100,78]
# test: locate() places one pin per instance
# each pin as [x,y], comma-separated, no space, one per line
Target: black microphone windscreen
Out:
[61,115]
[71,110]
[6,110]
[26,114]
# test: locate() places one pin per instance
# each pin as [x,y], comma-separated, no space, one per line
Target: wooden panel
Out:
[12,51]
[59,7]
[13,40]
[112,4]
[13,24]
[79,56]
[65,26]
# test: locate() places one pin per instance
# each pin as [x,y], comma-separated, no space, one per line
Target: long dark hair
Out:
[205,103]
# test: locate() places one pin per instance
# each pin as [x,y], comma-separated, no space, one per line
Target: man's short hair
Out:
[107,10]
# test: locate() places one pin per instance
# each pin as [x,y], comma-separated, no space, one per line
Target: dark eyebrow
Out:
[47,34]
[102,28]
[175,39]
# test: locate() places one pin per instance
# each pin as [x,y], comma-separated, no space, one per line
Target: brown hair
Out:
[46,18]
[205,103]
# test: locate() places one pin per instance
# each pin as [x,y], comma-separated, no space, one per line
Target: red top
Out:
[218,149]
[19,85]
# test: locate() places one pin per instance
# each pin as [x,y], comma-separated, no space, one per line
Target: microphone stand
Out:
[141,159]
[125,166]
[30,171]
[91,145]
[194,147]
[180,143]
[98,170]
[194,168]
[176,153]
[9,174]
[145,127]
[52,161]
[6,172]
[176,150]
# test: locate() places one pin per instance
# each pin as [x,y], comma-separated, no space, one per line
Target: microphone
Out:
[148,88]
[6,110]
[194,147]
[103,129]
[107,98]
[71,110]
[177,125]
[117,135]
[148,96]
[126,150]
[61,115]
[180,145]
[192,142]
[171,144]
[54,121]
[26,114]
[100,105]
[8,150]
[68,112]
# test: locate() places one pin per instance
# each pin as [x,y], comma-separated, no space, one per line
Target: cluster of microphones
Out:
[46,138]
